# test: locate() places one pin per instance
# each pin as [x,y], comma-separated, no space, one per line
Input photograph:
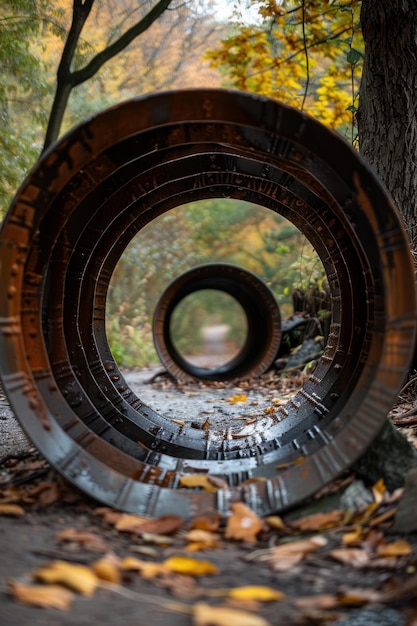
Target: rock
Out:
[406,517]
[373,617]
[390,456]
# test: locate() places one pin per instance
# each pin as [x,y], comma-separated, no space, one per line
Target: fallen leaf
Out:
[11,509]
[276,522]
[201,540]
[107,568]
[357,557]
[109,515]
[88,540]
[45,596]
[255,592]
[243,524]
[206,615]
[77,577]
[319,601]
[287,555]
[209,522]
[147,569]
[194,481]
[237,398]
[379,491]
[127,522]
[397,548]
[353,538]
[46,493]
[318,521]
[189,567]
[164,525]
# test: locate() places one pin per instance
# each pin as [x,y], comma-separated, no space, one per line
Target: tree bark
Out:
[387,116]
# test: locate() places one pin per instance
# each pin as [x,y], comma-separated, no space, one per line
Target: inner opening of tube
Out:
[208,328]
[216,231]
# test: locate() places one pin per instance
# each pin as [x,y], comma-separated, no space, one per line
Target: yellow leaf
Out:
[46,596]
[397,548]
[11,509]
[276,522]
[255,592]
[77,577]
[353,538]
[237,398]
[189,567]
[206,615]
[379,490]
[243,524]
[192,481]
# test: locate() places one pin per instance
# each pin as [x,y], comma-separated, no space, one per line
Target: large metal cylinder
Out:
[68,226]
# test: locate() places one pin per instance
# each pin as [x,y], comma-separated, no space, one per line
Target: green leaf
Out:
[354,56]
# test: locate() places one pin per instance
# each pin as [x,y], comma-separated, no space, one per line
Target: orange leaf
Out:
[165,525]
[397,548]
[206,615]
[243,524]
[318,521]
[379,491]
[11,509]
[193,481]
[147,569]
[46,596]
[129,523]
[108,569]
[189,567]
[210,522]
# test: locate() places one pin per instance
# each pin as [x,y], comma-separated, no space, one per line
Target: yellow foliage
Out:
[306,65]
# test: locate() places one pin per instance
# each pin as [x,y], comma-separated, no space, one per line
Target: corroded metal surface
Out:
[261,310]
[70,223]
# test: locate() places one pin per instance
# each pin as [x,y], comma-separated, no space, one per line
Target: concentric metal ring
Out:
[69,225]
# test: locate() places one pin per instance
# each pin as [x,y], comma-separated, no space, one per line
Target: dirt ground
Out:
[318,564]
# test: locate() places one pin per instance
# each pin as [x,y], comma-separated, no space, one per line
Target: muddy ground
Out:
[377,589]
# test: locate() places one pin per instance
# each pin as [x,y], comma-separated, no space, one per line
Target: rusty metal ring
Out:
[68,226]
[263,332]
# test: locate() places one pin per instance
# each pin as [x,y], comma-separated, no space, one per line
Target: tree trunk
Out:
[387,114]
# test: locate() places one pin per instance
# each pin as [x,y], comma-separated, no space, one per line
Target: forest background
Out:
[306,54]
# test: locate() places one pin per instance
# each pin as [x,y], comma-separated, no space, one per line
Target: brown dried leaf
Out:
[45,596]
[109,515]
[209,522]
[165,525]
[201,539]
[206,615]
[11,509]
[357,557]
[318,521]
[88,540]
[77,577]
[319,601]
[288,555]
[46,493]
[243,524]
[126,522]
